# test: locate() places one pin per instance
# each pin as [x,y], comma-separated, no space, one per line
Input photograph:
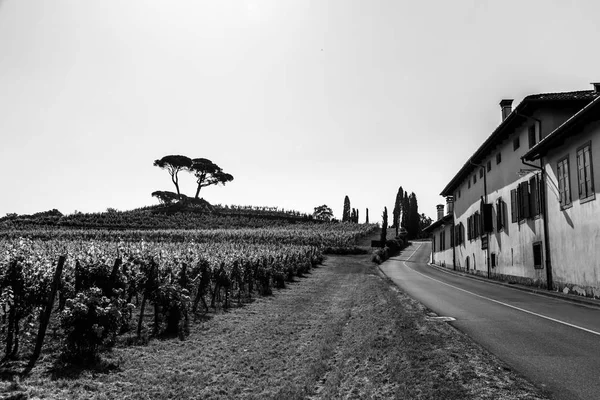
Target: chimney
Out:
[506,106]
[596,86]
[440,211]
[449,205]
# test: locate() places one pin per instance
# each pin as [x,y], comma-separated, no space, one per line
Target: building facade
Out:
[502,225]
[573,212]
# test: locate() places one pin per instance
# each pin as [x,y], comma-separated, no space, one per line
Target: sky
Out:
[303,102]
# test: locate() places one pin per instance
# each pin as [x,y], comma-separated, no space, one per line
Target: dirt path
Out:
[341,332]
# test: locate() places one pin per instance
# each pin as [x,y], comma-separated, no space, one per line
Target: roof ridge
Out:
[563,95]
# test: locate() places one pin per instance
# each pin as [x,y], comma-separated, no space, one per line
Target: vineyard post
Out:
[45,317]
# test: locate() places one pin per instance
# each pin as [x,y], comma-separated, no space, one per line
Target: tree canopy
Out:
[208,173]
[346,213]
[174,164]
[323,213]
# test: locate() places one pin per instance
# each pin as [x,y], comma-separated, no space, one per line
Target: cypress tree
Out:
[398,209]
[356,216]
[367,221]
[404,222]
[384,225]
[413,217]
[346,212]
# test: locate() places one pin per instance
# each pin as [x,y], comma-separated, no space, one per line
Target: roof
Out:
[514,119]
[445,219]
[556,137]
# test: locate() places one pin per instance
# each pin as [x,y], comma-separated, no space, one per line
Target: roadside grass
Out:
[342,331]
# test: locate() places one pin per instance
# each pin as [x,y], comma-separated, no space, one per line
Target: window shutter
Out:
[587,162]
[499,215]
[470,228]
[488,220]
[524,200]
[513,205]
[534,197]
[581,174]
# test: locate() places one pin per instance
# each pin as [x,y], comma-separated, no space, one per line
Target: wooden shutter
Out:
[524,200]
[513,206]
[581,174]
[534,197]
[587,163]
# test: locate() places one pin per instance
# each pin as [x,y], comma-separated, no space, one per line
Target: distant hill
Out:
[182,215]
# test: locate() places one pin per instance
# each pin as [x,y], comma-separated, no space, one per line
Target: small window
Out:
[564,183]
[531,135]
[537,255]
[585,177]
[469,184]
[498,158]
[481,173]
[493,260]
[459,193]
[474,179]
[516,143]
[489,166]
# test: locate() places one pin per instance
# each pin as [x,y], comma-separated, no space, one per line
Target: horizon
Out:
[302,102]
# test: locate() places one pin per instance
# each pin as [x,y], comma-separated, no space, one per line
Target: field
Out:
[244,312]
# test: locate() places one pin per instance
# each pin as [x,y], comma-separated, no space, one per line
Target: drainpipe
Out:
[549,280]
[453,242]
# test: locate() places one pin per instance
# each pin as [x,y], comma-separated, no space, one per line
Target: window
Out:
[516,143]
[451,237]
[433,244]
[500,214]
[442,241]
[459,193]
[481,173]
[493,259]
[498,158]
[585,176]
[564,183]
[531,135]
[469,184]
[537,255]
[489,166]
[474,179]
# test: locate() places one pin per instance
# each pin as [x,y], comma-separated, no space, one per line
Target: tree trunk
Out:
[176,183]
[198,191]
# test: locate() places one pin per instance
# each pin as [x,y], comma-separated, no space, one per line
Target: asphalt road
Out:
[554,343]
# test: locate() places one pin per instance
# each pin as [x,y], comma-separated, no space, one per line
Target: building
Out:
[573,213]
[442,238]
[502,226]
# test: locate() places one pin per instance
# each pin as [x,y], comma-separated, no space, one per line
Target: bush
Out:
[392,247]
[91,321]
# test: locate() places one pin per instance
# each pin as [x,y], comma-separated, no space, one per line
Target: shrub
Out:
[91,321]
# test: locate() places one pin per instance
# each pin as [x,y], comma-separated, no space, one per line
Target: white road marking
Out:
[506,304]
[413,253]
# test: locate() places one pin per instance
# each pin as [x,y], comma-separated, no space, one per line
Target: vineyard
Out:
[85,290]
[176,216]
